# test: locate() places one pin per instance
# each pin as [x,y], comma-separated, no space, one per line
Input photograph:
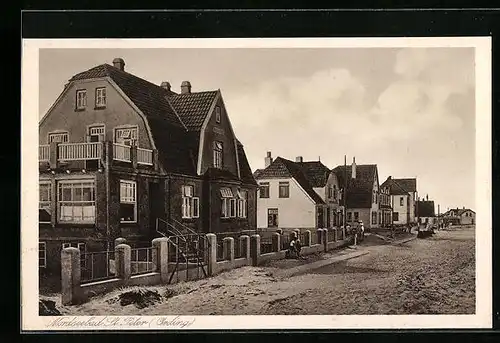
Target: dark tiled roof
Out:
[193,107]
[175,119]
[285,168]
[360,189]
[316,172]
[394,187]
[220,174]
[410,185]
[257,173]
[245,170]
[425,208]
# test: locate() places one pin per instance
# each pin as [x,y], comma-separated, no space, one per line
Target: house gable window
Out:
[76,201]
[97,133]
[284,189]
[218,149]
[349,216]
[242,204]
[374,217]
[217,115]
[190,203]
[335,195]
[356,216]
[330,192]
[229,203]
[44,202]
[58,137]
[126,136]
[100,97]
[42,255]
[264,190]
[401,201]
[128,201]
[81,99]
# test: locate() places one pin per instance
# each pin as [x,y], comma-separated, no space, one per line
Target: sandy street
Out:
[424,276]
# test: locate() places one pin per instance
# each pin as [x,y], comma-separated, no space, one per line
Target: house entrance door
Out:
[272,217]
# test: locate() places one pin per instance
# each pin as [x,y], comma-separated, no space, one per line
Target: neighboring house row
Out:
[122,157]
[403,197]
[460,216]
[309,195]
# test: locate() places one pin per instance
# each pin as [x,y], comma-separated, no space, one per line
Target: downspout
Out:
[108,192]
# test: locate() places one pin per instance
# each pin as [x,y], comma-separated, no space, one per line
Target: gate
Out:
[186,251]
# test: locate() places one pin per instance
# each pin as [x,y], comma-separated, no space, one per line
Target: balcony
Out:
[105,152]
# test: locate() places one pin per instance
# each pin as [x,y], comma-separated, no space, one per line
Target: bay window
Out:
[228,206]
[128,201]
[76,201]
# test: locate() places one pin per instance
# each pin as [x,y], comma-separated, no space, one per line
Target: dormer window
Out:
[100,97]
[81,99]
[218,148]
[217,115]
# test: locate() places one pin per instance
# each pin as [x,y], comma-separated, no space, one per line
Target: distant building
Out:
[403,194]
[425,211]
[303,195]
[460,216]
[385,206]
[362,193]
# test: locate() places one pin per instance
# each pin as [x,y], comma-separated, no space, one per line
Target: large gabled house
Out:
[297,195]
[122,157]
[403,192]
[362,194]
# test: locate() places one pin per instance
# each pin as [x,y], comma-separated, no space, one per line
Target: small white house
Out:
[303,195]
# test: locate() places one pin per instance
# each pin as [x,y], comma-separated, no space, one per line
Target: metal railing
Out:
[285,241]
[141,260]
[314,237]
[96,266]
[186,248]
[145,156]
[266,245]
[79,151]
[121,152]
[44,153]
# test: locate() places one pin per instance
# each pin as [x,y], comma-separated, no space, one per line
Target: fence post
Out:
[325,238]
[123,262]
[245,246]
[119,241]
[280,231]
[276,241]
[307,238]
[211,249]
[160,257]
[293,235]
[228,245]
[71,292]
[255,249]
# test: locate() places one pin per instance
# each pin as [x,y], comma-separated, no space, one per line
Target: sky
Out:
[411,111]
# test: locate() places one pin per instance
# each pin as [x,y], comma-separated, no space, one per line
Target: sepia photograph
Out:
[199,178]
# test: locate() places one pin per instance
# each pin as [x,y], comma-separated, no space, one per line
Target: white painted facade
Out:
[296,211]
[400,205]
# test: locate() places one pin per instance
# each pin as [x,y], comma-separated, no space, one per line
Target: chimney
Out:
[353,168]
[119,63]
[299,159]
[185,87]
[268,160]
[165,85]
[427,197]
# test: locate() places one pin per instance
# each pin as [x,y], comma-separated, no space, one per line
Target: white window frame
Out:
[128,195]
[218,150]
[100,99]
[90,183]
[126,135]
[47,203]
[63,135]
[97,130]
[401,201]
[229,208]
[81,102]
[285,185]
[44,245]
[190,203]
[242,203]
[268,187]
